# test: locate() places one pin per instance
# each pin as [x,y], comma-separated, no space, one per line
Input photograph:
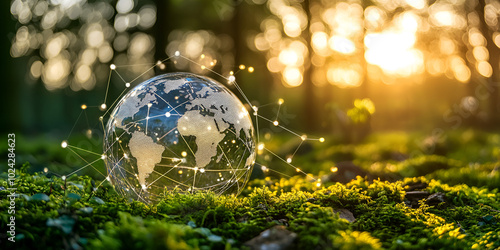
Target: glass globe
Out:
[179,131]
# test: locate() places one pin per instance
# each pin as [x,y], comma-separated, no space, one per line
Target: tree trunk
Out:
[309,100]
[492,82]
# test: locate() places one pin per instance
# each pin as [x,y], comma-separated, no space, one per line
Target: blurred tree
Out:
[352,44]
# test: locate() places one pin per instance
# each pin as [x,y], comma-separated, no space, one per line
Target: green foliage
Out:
[362,110]
[423,165]
[67,213]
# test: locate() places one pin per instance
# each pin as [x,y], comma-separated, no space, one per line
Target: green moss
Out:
[68,214]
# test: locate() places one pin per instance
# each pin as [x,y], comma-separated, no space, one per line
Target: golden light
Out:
[496,39]
[95,37]
[447,46]
[462,73]
[334,169]
[393,52]
[56,45]
[481,53]
[343,77]
[274,65]
[444,15]
[36,69]
[417,4]
[319,41]
[83,73]
[55,72]
[291,25]
[292,76]
[476,38]
[444,18]
[289,57]
[341,44]
[374,17]
[484,68]
[435,66]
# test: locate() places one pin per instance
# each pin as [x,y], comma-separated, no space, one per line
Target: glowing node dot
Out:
[231,72]
[242,67]
[180,172]
[303,137]
[289,160]
[251,69]
[101,118]
[321,139]
[103,156]
[202,170]
[261,146]
[84,106]
[281,101]
[202,56]
[150,105]
[45,170]
[195,169]
[203,67]
[144,187]
[158,62]
[231,78]
[297,169]
[103,106]
[318,184]
[184,154]
[63,177]
[209,128]
[64,144]
[177,53]
[276,123]
[334,169]
[167,114]
[147,117]
[107,178]
[112,66]
[264,168]
[255,108]
[127,84]
[125,156]
[233,141]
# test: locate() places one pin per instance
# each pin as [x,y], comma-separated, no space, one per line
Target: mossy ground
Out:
[458,206]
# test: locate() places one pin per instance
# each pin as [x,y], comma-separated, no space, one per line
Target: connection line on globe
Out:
[231,80]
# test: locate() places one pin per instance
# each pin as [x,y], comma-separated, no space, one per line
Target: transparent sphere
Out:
[179,131]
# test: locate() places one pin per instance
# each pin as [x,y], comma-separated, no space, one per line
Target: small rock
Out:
[413,198]
[416,186]
[436,198]
[345,214]
[311,200]
[275,238]
[416,195]
[262,206]
[346,171]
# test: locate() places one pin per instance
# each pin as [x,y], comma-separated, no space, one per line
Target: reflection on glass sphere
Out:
[179,131]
